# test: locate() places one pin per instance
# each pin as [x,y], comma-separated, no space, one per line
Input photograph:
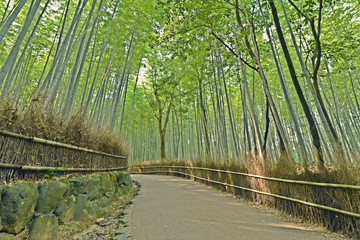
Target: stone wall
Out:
[46,205]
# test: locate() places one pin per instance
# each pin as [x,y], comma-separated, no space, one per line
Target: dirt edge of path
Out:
[111,222]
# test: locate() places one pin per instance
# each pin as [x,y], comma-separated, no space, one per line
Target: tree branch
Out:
[218,38]
[246,40]
[316,58]
[234,5]
[230,49]
[317,53]
[298,9]
[320,12]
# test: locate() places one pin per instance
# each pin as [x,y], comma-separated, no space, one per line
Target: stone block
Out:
[94,188]
[44,227]
[6,236]
[17,206]
[80,207]
[92,207]
[66,210]
[50,195]
[78,185]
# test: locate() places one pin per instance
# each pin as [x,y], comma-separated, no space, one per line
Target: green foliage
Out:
[51,173]
[191,48]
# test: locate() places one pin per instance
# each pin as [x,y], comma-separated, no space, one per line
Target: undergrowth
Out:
[35,122]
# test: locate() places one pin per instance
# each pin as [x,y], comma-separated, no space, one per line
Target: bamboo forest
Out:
[223,81]
[267,88]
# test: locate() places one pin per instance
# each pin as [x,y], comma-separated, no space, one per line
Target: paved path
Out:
[170,208]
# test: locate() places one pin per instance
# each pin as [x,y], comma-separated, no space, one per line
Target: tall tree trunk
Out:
[316,59]
[203,113]
[314,132]
[8,66]
[163,127]
[162,145]
[249,101]
[133,97]
[6,26]
[256,59]
[283,83]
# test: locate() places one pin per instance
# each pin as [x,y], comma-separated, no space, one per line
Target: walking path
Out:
[171,208]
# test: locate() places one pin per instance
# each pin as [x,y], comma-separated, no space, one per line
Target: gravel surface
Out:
[115,226]
[112,223]
[171,208]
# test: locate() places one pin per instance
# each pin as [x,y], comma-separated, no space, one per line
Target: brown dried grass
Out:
[51,126]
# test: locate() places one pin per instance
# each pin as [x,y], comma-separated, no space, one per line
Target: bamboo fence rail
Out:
[333,185]
[57,144]
[23,157]
[58,169]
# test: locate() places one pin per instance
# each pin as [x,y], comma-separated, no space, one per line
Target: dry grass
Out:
[49,125]
[344,199]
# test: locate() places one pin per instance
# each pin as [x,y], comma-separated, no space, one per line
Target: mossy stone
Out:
[104,201]
[66,210]
[106,184]
[6,236]
[113,176]
[92,207]
[113,179]
[17,206]
[44,227]
[125,190]
[120,191]
[78,185]
[94,188]
[80,207]
[50,195]
[128,180]
[124,179]
[121,178]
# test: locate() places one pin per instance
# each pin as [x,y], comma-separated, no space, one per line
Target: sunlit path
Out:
[171,208]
